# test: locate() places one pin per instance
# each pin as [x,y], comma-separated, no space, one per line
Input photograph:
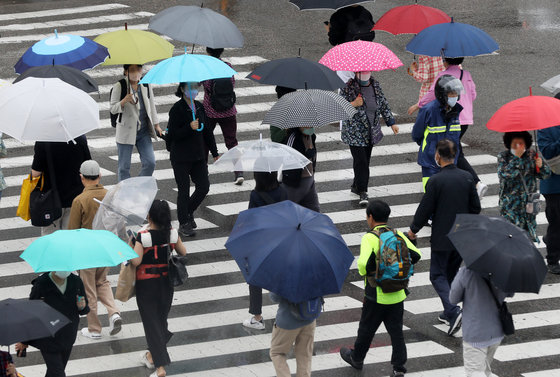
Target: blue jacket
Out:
[433,125]
[549,145]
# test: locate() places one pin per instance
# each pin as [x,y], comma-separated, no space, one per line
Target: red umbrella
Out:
[526,114]
[410,19]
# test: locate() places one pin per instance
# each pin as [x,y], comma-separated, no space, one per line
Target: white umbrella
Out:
[552,85]
[46,109]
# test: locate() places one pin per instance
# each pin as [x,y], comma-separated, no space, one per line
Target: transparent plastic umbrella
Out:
[552,85]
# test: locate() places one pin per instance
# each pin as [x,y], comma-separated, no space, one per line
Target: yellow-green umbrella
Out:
[131,46]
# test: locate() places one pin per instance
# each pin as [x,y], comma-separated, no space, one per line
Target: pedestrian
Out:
[154,292]
[425,71]
[137,121]
[267,191]
[3,153]
[95,280]
[187,139]
[64,292]
[300,183]
[438,120]
[219,106]
[60,162]
[363,131]
[482,328]
[278,135]
[449,192]
[517,171]
[7,366]
[378,306]
[466,119]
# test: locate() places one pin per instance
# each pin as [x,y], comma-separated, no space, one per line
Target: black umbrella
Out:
[325,4]
[70,75]
[493,246]
[24,320]
[297,73]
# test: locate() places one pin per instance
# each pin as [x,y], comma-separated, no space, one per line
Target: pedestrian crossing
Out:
[208,310]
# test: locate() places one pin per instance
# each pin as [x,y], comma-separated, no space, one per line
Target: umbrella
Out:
[70,75]
[297,73]
[4,83]
[309,108]
[410,19]
[494,246]
[64,49]
[39,109]
[263,156]
[360,56]
[325,4]
[552,85]
[24,320]
[197,25]
[452,40]
[134,46]
[290,250]
[78,249]
[525,114]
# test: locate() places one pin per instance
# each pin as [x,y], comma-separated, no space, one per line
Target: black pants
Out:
[462,162]
[443,268]
[154,298]
[373,314]
[255,300]
[552,237]
[184,171]
[362,158]
[56,362]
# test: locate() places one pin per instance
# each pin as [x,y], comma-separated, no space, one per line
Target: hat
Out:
[89,168]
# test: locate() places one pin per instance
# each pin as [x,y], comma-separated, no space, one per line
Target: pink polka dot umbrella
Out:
[359,56]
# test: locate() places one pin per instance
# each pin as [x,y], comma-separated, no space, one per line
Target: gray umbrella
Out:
[309,108]
[197,25]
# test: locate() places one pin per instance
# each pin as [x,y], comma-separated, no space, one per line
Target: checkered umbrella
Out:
[309,108]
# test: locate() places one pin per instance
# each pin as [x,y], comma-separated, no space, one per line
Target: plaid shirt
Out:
[428,69]
[210,112]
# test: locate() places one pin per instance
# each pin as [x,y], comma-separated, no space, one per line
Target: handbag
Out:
[177,270]
[505,316]
[27,186]
[126,283]
[45,206]
[533,205]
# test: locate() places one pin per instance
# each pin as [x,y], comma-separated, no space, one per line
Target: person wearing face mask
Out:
[438,120]
[363,131]
[64,292]
[137,122]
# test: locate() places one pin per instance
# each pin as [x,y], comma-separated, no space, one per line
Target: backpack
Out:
[393,262]
[222,97]
[116,118]
[308,310]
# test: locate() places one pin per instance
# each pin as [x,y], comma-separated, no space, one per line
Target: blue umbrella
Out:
[64,49]
[290,250]
[452,40]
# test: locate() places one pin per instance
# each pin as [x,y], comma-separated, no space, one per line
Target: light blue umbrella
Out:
[70,250]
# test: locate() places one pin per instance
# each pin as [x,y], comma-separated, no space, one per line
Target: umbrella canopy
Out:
[261,155]
[4,83]
[297,73]
[309,108]
[38,109]
[78,249]
[552,85]
[526,114]
[360,56]
[64,49]
[325,4]
[493,246]
[453,40]
[197,25]
[410,19]
[25,319]
[134,46]
[69,75]
[290,250]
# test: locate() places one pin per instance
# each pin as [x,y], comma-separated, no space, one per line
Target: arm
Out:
[82,293]
[179,247]
[139,249]
[425,208]
[457,291]
[207,134]
[368,246]
[474,200]
[153,109]
[179,124]
[115,104]
[420,126]
[76,211]
[548,144]
[415,254]
[509,169]
[39,160]
[384,108]
[473,87]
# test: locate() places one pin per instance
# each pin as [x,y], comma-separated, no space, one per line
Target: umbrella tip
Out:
[530,90]
[452,21]
[299,52]
[55,33]
[126,26]
[299,226]
[510,236]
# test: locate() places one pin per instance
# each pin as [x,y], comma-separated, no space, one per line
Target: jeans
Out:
[361,159]
[147,157]
[184,171]
[462,162]
[443,268]
[552,237]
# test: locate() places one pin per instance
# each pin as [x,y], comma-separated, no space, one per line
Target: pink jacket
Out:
[467,97]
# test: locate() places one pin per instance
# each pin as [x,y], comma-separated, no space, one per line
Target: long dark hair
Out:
[265,181]
[160,215]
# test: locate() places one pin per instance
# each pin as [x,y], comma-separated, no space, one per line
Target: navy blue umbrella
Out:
[290,250]
[452,40]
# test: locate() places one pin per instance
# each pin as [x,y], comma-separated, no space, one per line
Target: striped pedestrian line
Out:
[445,372]
[543,373]
[528,350]
[61,11]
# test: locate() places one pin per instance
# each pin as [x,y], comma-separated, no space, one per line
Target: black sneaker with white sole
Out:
[455,323]
[443,319]
[186,230]
[347,355]
[364,199]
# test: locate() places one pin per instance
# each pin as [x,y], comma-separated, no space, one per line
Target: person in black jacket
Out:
[350,24]
[300,183]
[448,192]
[186,138]
[64,292]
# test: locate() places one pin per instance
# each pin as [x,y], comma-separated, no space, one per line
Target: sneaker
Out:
[554,268]
[346,354]
[443,319]
[193,223]
[396,373]
[92,335]
[115,324]
[238,179]
[364,199]
[455,323]
[186,230]
[354,190]
[144,361]
[252,323]
[481,189]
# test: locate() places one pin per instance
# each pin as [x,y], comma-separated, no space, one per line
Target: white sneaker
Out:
[115,324]
[481,189]
[144,361]
[252,323]
[92,335]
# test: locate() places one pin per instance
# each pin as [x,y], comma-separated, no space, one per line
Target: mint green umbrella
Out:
[69,250]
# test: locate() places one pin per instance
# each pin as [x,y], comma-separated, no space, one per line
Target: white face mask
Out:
[363,76]
[134,76]
[451,101]
[62,274]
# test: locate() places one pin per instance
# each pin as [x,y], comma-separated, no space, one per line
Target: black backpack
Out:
[222,97]
[116,118]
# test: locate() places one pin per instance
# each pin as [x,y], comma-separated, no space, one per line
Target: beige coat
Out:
[126,128]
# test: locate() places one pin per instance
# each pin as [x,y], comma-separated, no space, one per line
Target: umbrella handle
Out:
[193,108]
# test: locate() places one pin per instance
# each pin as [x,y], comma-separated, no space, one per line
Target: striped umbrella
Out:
[309,108]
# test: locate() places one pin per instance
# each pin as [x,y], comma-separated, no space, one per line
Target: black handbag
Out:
[45,206]
[505,316]
[177,270]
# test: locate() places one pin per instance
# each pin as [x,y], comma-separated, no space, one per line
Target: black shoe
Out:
[346,355]
[554,268]
[443,319]
[364,199]
[354,190]
[186,230]
[396,373]
[455,323]
[190,220]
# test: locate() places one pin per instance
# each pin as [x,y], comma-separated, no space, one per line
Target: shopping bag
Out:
[126,283]
[27,187]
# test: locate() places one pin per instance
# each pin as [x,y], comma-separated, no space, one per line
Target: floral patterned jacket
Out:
[356,131]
